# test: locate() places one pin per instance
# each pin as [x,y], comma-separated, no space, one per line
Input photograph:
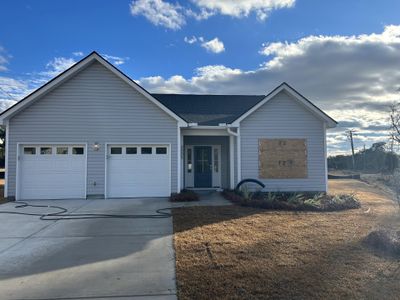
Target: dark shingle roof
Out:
[208,109]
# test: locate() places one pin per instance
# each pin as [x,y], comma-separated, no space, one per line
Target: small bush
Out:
[184,195]
[294,201]
[383,241]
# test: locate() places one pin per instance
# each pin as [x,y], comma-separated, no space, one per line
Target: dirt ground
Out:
[244,253]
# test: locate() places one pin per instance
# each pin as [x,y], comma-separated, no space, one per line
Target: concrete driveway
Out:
[88,259]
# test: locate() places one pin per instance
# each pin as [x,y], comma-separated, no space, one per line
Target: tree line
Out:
[376,159]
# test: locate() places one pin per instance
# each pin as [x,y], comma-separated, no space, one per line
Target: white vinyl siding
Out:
[94,106]
[284,117]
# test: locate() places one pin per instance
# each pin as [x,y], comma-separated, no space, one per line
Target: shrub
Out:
[184,195]
[294,201]
[384,241]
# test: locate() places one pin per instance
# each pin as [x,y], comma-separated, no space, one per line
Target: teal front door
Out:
[202,167]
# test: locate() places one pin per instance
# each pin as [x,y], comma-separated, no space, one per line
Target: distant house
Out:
[93,132]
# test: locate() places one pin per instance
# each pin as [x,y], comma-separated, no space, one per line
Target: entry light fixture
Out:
[96,146]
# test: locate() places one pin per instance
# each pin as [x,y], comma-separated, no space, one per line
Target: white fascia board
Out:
[285,87]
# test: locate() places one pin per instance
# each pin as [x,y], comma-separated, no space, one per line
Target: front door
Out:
[202,167]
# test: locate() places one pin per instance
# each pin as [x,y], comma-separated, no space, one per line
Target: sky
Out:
[342,55]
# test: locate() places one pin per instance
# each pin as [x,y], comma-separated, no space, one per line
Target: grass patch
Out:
[183,196]
[234,252]
[293,201]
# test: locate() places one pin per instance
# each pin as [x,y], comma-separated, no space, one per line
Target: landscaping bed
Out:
[236,252]
[184,196]
[293,201]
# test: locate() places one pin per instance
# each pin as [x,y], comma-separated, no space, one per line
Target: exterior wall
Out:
[213,140]
[283,117]
[93,106]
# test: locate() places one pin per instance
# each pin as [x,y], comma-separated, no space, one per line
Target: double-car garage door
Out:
[59,171]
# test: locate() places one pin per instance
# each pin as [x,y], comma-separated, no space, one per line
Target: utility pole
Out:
[350,133]
[364,153]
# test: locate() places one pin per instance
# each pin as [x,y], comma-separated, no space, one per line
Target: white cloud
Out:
[77,53]
[190,40]
[12,90]
[3,59]
[116,60]
[174,15]
[353,78]
[57,65]
[203,14]
[214,45]
[242,8]
[159,13]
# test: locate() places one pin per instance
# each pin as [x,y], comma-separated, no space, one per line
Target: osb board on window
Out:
[282,158]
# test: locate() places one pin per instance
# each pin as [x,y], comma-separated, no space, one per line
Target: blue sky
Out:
[323,48]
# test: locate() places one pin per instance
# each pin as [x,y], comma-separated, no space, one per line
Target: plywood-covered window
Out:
[282,158]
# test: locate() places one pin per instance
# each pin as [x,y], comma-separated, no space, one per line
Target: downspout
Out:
[239,156]
[232,134]
[7,142]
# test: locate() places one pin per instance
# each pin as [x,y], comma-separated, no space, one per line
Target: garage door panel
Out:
[52,176]
[138,175]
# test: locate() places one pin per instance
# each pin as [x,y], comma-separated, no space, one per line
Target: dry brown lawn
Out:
[245,253]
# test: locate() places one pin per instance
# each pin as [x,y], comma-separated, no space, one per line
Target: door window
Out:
[189,160]
[116,150]
[161,150]
[146,150]
[78,150]
[131,150]
[62,150]
[216,160]
[45,150]
[29,150]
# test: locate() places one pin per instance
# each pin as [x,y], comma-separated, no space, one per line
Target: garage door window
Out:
[146,150]
[29,150]
[45,150]
[131,150]
[62,150]
[161,150]
[116,150]
[77,150]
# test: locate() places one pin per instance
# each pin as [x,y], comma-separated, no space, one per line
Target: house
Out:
[94,132]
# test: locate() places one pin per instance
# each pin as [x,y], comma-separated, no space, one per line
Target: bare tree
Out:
[395,137]
[395,122]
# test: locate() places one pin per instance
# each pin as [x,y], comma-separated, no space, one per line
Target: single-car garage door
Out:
[52,172]
[138,171]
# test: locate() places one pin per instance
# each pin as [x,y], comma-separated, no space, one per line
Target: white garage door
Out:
[138,171]
[52,172]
